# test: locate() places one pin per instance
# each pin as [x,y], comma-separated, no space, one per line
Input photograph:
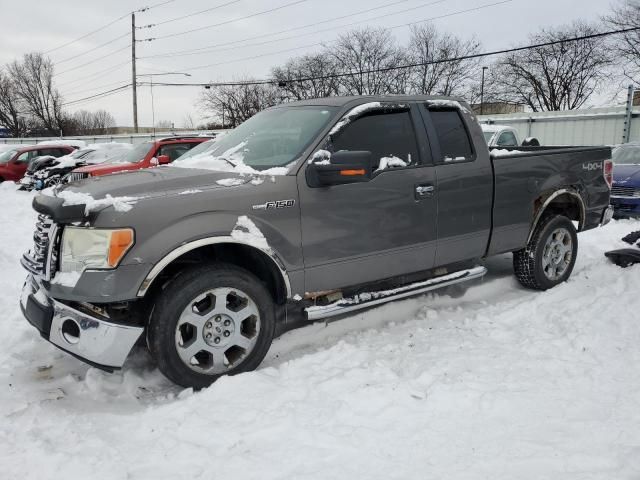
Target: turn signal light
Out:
[352,173]
[121,242]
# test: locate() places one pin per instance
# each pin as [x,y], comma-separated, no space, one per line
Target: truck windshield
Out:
[6,156]
[629,155]
[135,155]
[272,138]
[488,136]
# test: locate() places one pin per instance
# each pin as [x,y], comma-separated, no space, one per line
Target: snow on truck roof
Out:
[342,101]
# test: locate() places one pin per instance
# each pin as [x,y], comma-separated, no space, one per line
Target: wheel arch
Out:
[262,263]
[565,201]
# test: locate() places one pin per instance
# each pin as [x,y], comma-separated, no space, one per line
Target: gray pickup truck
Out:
[306,211]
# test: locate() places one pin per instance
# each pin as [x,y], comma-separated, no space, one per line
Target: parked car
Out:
[47,171]
[306,211]
[144,155]
[14,162]
[625,192]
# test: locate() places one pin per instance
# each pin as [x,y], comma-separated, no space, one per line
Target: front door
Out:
[361,232]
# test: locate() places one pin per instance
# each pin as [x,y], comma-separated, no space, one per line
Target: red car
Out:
[145,155]
[14,162]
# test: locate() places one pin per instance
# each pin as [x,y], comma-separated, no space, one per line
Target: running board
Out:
[369,299]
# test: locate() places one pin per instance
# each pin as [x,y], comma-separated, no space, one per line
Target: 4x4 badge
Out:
[275,204]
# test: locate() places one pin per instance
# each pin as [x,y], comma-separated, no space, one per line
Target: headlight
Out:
[90,248]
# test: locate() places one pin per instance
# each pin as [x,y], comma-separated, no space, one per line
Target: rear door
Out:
[361,232]
[465,185]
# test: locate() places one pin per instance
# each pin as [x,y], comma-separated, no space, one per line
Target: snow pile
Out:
[392,162]
[354,113]
[503,383]
[503,152]
[119,204]
[230,182]
[321,157]
[454,159]
[66,279]
[232,160]
[190,191]
[247,232]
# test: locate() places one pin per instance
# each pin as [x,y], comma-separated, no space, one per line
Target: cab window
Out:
[385,135]
[507,139]
[455,145]
[175,150]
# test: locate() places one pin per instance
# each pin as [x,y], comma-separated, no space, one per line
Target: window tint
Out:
[507,139]
[452,136]
[384,135]
[25,157]
[175,150]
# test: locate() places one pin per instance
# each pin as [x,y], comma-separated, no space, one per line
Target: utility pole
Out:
[482,91]
[628,115]
[133,72]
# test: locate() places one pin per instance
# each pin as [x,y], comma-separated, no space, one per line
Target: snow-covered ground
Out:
[503,383]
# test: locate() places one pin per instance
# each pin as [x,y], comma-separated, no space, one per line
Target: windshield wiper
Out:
[234,165]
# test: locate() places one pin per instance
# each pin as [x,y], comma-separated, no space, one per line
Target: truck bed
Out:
[523,175]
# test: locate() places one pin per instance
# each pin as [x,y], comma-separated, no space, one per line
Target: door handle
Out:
[424,191]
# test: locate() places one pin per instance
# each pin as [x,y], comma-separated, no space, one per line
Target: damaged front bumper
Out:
[90,338]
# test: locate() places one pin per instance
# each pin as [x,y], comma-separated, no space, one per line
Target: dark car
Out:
[625,192]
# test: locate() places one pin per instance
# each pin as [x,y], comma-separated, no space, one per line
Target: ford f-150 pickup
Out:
[306,211]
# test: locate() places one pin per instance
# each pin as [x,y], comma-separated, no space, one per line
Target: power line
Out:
[92,61]
[98,95]
[109,69]
[74,57]
[87,34]
[209,48]
[401,67]
[226,22]
[189,15]
[144,9]
[97,87]
[459,12]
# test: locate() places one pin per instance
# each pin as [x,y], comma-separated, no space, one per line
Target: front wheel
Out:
[211,321]
[549,257]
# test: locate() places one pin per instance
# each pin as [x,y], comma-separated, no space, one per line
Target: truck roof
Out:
[342,101]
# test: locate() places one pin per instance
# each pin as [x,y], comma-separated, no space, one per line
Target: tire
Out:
[550,256]
[195,339]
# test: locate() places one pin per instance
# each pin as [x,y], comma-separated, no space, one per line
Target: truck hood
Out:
[67,204]
[106,168]
[626,174]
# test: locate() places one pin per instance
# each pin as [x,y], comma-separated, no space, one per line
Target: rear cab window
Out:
[452,135]
[387,133]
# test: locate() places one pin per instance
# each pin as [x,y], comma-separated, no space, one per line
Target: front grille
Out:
[37,260]
[620,191]
[75,176]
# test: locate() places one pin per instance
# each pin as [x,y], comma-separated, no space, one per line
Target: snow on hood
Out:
[120,204]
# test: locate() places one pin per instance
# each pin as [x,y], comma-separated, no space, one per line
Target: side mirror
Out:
[343,167]
[164,159]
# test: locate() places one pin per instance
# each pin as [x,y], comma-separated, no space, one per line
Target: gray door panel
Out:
[366,231]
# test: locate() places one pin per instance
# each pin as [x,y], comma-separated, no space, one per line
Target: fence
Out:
[134,138]
[594,126]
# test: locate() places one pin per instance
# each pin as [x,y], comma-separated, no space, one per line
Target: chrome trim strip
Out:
[187,247]
[348,305]
[101,342]
[549,199]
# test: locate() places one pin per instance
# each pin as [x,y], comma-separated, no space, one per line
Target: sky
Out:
[237,47]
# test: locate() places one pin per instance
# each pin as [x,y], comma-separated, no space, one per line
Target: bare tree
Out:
[233,104]
[11,106]
[33,81]
[309,76]
[166,124]
[626,46]
[370,55]
[562,76]
[84,122]
[103,122]
[188,122]
[440,73]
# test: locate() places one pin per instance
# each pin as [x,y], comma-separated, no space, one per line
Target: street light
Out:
[482,91]
[151,75]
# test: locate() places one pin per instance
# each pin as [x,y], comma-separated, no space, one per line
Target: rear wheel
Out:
[211,321]
[550,256]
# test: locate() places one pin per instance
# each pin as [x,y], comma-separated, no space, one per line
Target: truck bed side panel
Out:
[524,180]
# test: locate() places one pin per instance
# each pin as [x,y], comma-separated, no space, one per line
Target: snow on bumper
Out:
[94,340]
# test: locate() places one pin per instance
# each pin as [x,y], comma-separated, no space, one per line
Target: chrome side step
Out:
[365,300]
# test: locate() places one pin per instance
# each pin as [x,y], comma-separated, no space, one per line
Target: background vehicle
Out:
[14,162]
[47,171]
[500,136]
[306,211]
[625,192]
[144,155]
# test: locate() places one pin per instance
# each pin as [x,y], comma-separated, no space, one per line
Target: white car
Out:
[500,136]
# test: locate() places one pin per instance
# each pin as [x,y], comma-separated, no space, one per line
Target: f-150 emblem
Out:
[275,204]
